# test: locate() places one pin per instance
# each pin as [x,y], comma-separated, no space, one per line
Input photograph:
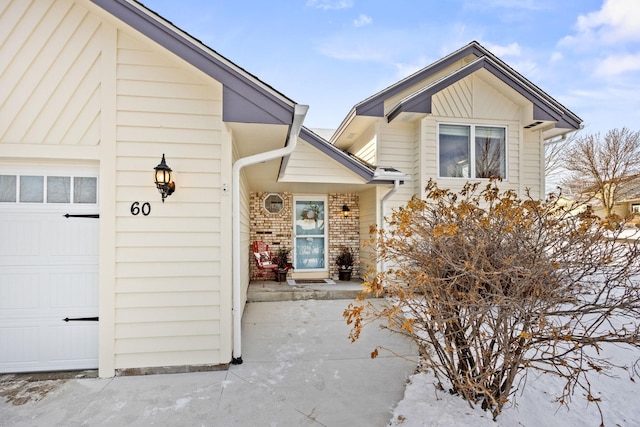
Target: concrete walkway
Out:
[299,369]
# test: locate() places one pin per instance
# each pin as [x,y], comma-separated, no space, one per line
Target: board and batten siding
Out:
[393,101]
[171,306]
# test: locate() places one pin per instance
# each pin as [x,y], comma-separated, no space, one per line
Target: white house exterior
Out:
[94,92]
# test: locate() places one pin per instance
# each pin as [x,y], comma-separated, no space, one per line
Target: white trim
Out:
[311,198]
[472,149]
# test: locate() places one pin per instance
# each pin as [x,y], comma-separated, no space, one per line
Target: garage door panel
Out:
[71,237]
[48,272]
[72,290]
[72,340]
[42,289]
[19,238]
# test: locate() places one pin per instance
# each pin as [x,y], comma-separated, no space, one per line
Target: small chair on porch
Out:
[264,260]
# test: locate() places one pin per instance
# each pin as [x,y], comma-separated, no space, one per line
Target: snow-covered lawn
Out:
[423,405]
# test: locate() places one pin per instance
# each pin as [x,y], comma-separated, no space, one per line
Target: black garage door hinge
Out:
[82,216]
[81,319]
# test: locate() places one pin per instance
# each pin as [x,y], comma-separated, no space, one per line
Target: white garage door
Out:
[48,269]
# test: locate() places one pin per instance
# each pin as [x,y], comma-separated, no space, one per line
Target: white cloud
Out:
[618,64]
[556,56]
[362,20]
[330,4]
[512,49]
[617,21]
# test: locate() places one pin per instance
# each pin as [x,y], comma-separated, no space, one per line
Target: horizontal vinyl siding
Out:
[368,152]
[396,148]
[168,358]
[533,168]
[51,69]
[168,264]
[308,164]
[368,216]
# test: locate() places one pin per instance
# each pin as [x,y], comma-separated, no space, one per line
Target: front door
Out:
[310,234]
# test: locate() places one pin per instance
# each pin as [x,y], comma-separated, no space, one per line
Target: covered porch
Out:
[313,204]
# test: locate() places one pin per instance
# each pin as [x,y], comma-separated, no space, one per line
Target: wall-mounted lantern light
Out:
[345,211]
[164,179]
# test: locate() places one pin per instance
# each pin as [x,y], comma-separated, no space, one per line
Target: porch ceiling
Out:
[252,138]
[263,178]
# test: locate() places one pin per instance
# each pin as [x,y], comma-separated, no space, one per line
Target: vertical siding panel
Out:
[107,194]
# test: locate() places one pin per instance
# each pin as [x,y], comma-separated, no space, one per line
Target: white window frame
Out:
[45,198]
[472,149]
[294,236]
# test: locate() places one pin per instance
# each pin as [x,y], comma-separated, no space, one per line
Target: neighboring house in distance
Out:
[627,204]
[93,93]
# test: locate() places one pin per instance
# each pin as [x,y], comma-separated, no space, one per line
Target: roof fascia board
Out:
[241,88]
[420,102]
[544,107]
[374,105]
[336,154]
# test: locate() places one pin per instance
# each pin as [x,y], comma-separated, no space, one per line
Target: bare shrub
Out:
[490,286]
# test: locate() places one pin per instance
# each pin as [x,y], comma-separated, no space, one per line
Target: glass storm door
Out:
[309,233]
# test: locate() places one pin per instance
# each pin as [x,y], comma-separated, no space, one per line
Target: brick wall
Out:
[275,229]
[272,228]
[344,231]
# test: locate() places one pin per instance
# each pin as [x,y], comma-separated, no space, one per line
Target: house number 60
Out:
[136,209]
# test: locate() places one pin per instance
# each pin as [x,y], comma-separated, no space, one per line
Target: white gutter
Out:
[299,113]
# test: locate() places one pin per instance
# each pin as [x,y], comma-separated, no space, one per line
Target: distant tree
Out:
[554,154]
[490,287]
[603,167]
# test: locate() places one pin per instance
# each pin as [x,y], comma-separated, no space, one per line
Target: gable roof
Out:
[246,98]
[544,106]
[371,174]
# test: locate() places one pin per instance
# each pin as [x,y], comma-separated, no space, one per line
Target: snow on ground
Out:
[424,406]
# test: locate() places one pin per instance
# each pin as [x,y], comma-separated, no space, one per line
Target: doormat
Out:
[299,282]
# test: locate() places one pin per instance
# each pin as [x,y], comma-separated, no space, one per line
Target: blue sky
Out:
[332,54]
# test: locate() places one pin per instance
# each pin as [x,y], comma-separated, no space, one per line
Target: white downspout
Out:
[299,114]
[383,207]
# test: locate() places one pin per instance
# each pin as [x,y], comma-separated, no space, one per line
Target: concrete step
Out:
[271,291]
